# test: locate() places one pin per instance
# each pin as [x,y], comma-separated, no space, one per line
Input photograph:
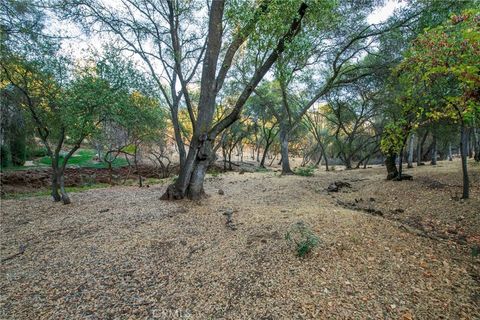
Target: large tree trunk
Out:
[284,150]
[410,151]
[464,154]
[392,171]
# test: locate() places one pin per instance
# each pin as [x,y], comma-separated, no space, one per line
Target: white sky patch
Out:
[383,13]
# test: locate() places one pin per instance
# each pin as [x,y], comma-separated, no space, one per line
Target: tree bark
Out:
[54,186]
[434,151]
[464,154]
[264,155]
[420,148]
[284,150]
[63,192]
[410,151]
[450,158]
[476,144]
[392,171]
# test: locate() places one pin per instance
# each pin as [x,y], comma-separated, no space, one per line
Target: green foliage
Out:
[441,71]
[36,152]
[305,171]
[392,138]
[301,238]
[18,149]
[83,158]
[6,158]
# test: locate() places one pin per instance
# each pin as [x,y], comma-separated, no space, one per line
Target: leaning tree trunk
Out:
[264,155]
[410,151]
[464,154]
[284,151]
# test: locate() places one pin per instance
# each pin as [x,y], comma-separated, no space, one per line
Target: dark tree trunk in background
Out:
[420,148]
[434,151]
[464,153]
[410,150]
[284,150]
[392,171]
[264,155]
[476,144]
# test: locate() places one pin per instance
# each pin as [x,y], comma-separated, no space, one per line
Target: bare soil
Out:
[35,179]
[121,253]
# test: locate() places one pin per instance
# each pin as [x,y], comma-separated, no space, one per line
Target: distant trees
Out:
[441,81]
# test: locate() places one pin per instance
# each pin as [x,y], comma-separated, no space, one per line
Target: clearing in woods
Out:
[396,250]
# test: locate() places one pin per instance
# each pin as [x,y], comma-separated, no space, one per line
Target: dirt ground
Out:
[35,179]
[121,253]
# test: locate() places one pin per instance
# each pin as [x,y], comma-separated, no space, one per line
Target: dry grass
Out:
[146,258]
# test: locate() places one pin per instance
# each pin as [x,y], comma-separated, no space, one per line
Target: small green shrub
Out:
[301,238]
[305,171]
[36,152]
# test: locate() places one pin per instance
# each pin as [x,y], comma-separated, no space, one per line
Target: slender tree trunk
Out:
[178,138]
[324,152]
[450,158]
[434,150]
[464,153]
[476,144]
[224,154]
[410,150]
[264,155]
[284,150]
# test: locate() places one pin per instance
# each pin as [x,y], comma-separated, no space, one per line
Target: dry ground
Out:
[146,258]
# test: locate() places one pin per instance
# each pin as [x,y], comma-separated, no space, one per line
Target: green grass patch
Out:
[83,158]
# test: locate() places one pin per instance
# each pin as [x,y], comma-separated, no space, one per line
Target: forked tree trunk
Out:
[410,151]
[284,151]
[464,154]
[192,173]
